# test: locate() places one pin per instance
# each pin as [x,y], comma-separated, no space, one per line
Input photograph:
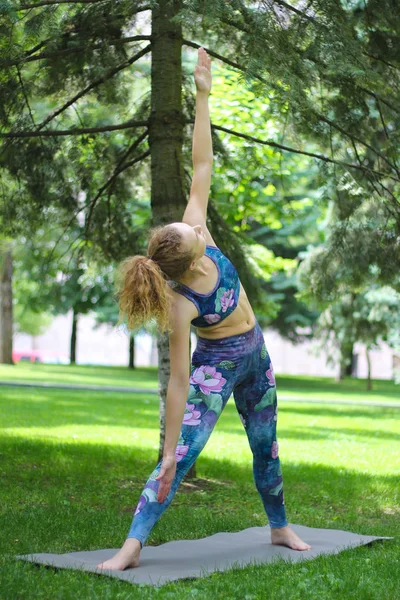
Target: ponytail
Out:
[142,280]
[142,293]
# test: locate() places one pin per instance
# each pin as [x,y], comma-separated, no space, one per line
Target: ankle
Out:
[133,545]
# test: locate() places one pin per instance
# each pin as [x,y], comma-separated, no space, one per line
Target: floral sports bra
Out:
[222,300]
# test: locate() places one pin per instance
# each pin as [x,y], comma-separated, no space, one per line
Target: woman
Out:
[186,279]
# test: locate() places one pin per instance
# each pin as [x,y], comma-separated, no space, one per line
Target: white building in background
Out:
[110,346]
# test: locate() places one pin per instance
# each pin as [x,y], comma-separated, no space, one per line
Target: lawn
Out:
[304,387]
[74,463]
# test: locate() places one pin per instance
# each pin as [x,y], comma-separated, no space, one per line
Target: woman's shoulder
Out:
[181,306]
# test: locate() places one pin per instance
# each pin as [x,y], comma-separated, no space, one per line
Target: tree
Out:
[6,301]
[49,281]
[329,69]
[350,313]
[108,314]
[30,322]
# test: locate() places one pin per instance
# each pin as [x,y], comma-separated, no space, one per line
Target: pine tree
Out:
[331,68]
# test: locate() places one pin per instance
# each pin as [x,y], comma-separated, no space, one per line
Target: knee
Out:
[265,447]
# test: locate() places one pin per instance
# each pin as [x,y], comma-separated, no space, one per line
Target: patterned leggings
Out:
[238,364]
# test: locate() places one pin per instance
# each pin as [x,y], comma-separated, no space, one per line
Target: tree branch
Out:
[56,2]
[64,51]
[25,97]
[218,56]
[132,147]
[136,143]
[248,30]
[77,131]
[110,180]
[385,62]
[379,98]
[294,150]
[319,116]
[300,13]
[344,132]
[110,73]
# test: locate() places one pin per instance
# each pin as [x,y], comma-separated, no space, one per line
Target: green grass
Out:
[73,464]
[320,388]
[145,377]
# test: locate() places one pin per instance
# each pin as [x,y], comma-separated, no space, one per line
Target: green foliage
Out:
[321,79]
[29,321]
[46,279]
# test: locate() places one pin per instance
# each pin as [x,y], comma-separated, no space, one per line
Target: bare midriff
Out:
[242,319]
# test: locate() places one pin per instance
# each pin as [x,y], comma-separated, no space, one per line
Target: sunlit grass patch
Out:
[74,463]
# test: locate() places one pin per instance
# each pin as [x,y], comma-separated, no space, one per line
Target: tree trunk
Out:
[342,370]
[191,474]
[153,350]
[346,359]
[369,380]
[165,140]
[73,337]
[6,313]
[131,352]
[350,361]
[163,379]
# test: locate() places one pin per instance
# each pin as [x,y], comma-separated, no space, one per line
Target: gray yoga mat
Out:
[198,558]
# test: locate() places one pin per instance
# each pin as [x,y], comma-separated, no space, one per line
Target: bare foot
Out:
[127,557]
[284,536]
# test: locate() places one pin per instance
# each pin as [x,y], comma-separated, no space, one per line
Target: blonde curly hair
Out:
[142,280]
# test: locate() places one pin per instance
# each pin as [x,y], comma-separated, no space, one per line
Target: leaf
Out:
[150,494]
[267,400]
[275,491]
[264,351]
[220,293]
[214,402]
[195,397]
[226,364]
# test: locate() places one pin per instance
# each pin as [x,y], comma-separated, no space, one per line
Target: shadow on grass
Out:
[348,387]
[104,476]
[83,497]
[136,411]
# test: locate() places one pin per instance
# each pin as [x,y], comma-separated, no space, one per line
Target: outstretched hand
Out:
[166,475]
[202,72]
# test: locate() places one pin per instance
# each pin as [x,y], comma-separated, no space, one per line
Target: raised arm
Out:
[202,152]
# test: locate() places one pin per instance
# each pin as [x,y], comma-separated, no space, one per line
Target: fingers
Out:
[163,491]
[203,60]
[161,473]
[200,57]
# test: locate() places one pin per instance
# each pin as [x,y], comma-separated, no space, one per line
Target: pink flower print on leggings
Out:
[208,379]
[181,452]
[271,377]
[191,416]
[227,299]
[274,449]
